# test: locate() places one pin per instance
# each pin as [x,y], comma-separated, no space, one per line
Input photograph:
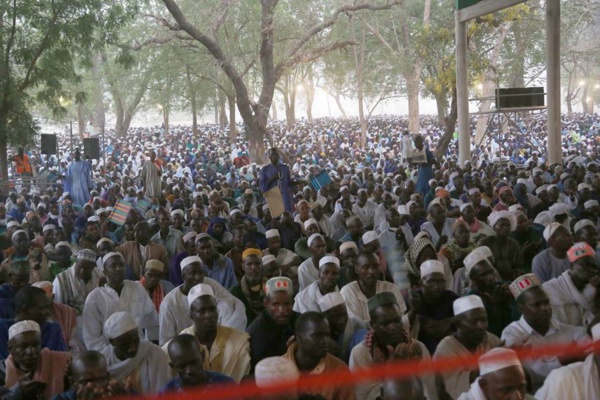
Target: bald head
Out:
[89,366]
[409,389]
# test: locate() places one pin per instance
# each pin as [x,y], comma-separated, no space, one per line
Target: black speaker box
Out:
[48,143]
[91,148]
[520,97]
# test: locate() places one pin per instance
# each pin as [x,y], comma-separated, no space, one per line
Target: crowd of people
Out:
[393,256]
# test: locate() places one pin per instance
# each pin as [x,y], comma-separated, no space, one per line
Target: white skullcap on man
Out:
[347,246]
[582,224]
[587,205]
[583,186]
[475,257]
[48,227]
[271,233]
[309,222]
[498,215]
[199,290]
[189,236]
[189,260]
[62,243]
[369,237]
[497,359]
[559,208]
[541,189]
[403,210]
[329,260]
[93,218]
[23,326]
[177,212]
[312,238]
[472,191]
[19,232]
[596,332]
[11,224]
[465,205]
[111,255]
[119,324]
[272,370]
[467,303]
[268,258]
[103,240]
[330,300]
[431,266]
[515,208]
[553,186]
[550,230]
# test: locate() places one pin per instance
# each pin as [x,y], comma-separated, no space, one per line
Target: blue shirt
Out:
[175,384]
[222,271]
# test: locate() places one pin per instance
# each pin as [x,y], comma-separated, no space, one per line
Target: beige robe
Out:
[356,301]
[569,305]
[578,381]
[457,382]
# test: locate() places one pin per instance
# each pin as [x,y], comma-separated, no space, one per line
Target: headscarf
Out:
[413,253]
[214,221]
[453,251]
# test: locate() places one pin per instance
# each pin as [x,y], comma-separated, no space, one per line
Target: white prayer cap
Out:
[140,191]
[11,224]
[119,324]
[189,260]
[111,255]
[536,171]
[93,218]
[343,188]
[472,191]
[48,227]
[155,265]
[177,211]
[42,205]
[550,229]
[309,222]
[498,215]
[329,260]
[454,175]
[596,332]
[432,181]
[19,232]
[465,205]
[583,186]
[265,207]
[42,285]
[100,211]
[347,246]
[272,370]
[550,187]
[235,211]
[541,189]
[23,326]
[497,359]
[422,235]
[431,266]
[403,210]
[514,208]
[587,205]
[559,208]
[522,181]
[544,218]
[478,255]
[199,290]
[564,175]
[86,255]
[107,240]
[330,300]
[369,237]
[62,244]
[189,236]
[268,258]
[271,233]
[196,194]
[312,238]
[467,303]
[582,224]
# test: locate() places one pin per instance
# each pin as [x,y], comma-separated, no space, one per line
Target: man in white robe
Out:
[117,295]
[128,357]
[343,327]
[471,337]
[329,274]
[578,381]
[151,176]
[571,293]
[501,376]
[174,313]
[364,209]
[72,287]
[308,271]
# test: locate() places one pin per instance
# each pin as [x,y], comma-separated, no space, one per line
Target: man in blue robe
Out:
[78,180]
[277,174]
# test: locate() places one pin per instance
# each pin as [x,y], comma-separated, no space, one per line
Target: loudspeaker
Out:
[48,143]
[520,97]
[91,148]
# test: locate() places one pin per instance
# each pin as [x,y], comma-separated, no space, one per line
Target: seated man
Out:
[571,293]
[309,354]
[215,265]
[129,357]
[18,278]
[227,350]
[187,362]
[64,315]
[31,303]
[308,271]
[343,328]
[387,333]
[499,378]
[174,310]
[553,261]
[536,327]
[251,289]
[273,328]
[329,274]
[578,381]
[471,337]
[33,372]
[285,258]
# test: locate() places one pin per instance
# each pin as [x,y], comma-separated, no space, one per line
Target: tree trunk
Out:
[584,100]
[120,118]
[290,108]
[412,87]
[81,121]
[359,62]
[450,128]
[338,101]
[222,111]
[3,151]
[256,148]
[165,112]
[232,130]
[99,110]
[517,76]
[274,111]
[310,93]
[441,102]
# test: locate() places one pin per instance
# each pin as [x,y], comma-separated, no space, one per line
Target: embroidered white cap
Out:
[49,227]
[189,260]
[543,188]
[582,224]
[497,359]
[309,222]
[11,224]
[272,370]
[550,229]
[330,300]
[23,326]
[587,205]
[369,237]
[329,260]
[478,255]
[199,290]
[498,215]
[118,324]
[467,303]
[431,266]
[268,258]
[177,212]
[271,233]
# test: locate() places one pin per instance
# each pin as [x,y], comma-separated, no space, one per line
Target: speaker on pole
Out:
[48,144]
[91,148]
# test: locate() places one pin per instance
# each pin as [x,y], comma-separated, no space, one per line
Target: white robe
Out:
[104,301]
[475,393]
[308,299]
[435,237]
[365,213]
[174,315]
[360,358]
[70,290]
[569,305]
[578,381]
[307,273]
[150,364]
[356,301]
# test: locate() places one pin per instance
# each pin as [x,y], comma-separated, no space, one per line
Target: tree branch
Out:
[315,54]
[38,54]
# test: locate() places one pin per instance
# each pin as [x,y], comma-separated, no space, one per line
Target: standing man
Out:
[277,174]
[78,180]
[425,166]
[22,163]
[151,172]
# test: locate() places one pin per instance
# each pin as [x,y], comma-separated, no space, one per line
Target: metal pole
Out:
[71,123]
[553,79]
[462,91]
[103,147]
